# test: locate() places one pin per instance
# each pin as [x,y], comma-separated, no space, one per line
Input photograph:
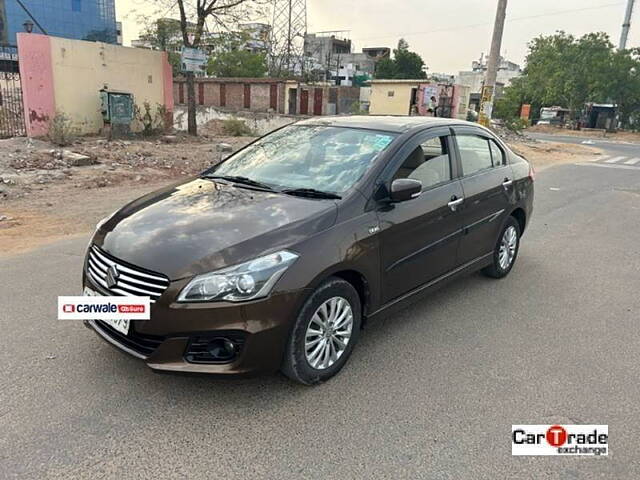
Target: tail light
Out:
[532,172]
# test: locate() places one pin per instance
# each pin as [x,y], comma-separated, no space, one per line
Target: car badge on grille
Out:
[112,276]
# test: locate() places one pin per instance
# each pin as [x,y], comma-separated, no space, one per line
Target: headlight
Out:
[247,281]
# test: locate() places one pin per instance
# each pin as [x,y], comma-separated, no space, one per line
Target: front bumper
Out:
[163,341]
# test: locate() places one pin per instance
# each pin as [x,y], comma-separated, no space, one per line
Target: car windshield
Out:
[329,159]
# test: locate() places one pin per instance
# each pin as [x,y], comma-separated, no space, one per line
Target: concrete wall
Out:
[390,98]
[36,74]
[78,70]
[209,93]
[261,123]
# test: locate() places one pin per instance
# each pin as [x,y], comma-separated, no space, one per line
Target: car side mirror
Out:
[403,189]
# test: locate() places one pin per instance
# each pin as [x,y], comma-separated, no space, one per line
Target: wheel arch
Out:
[521,217]
[358,281]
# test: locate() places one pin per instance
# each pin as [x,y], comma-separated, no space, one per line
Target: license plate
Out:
[120,325]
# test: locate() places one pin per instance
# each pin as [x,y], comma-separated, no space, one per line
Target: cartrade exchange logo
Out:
[560,440]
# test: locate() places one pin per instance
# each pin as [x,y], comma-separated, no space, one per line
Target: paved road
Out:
[430,393]
[612,147]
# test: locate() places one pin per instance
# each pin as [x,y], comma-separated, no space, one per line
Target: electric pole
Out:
[488,90]
[626,25]
[286,40]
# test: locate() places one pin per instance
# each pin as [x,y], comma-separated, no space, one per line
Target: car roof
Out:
[389,123]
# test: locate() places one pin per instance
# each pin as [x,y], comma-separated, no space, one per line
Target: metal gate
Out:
[11,107]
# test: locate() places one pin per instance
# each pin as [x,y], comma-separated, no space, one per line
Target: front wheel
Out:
[324,334]
[506,250]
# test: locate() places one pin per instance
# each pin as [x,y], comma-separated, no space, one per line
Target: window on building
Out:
[391,93]
[76,5]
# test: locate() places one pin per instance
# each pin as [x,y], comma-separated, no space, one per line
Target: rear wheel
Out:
[506,250]
[324,334]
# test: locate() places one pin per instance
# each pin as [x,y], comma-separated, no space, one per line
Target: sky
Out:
[448,34]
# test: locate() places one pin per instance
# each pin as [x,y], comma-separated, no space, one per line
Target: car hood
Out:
[201,225]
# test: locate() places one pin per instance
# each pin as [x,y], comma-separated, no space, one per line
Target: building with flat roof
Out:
[474,78]
[332,59]
[93,20]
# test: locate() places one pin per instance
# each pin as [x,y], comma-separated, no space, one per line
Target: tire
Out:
[323,323]
[500,267]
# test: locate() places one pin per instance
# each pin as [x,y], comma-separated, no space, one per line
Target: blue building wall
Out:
[78,19]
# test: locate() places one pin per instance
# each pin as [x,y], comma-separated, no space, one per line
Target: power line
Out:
[476,25]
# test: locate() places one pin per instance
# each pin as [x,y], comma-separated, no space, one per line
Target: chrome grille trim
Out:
[109,262]
[131,282]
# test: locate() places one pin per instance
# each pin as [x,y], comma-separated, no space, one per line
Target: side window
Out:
[429,162]
[496,154]
[475,153]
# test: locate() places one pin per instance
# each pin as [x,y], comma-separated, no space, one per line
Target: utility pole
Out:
[488,90]
[626,25]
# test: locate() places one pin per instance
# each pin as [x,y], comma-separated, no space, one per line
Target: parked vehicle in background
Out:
[276,257]
[554,116]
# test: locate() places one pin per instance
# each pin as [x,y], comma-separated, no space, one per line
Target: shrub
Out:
[516,124]
[152,124]
[60,130]
[235,127]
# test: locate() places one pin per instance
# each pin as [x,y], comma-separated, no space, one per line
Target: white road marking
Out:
[622,167]
[599,159]
[614,159]
[633,161]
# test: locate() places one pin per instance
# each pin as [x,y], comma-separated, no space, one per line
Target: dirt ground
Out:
[48,193]
[546,154]
[619,136]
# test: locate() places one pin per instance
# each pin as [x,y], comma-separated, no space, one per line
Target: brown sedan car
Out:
[274,258]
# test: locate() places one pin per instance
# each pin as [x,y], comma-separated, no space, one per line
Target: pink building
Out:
[442,100]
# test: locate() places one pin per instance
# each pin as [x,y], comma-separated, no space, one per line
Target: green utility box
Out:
[117,107]
[117,112]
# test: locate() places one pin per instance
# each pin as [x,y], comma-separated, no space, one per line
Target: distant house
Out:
[474,78]
[332,59]
[418,97]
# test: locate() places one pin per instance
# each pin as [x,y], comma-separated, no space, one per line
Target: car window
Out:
[496,154]
[428,162]
[475,153]
[325,158]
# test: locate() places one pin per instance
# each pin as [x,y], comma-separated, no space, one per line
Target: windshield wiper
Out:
[241,180]
[310,192]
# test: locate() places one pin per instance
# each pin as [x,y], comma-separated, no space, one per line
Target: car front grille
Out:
[130,280]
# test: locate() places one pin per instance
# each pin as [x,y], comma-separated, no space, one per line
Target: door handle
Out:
[455,203]
[507,183]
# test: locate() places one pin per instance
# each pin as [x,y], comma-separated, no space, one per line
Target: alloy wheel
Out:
[328,333]
[508,246]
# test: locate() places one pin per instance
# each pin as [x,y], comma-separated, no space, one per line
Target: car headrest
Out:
[415,159]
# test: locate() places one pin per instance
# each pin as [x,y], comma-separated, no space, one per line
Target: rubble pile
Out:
[27,165]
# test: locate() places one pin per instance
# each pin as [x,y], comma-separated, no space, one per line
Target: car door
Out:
[487,182]
[419,237]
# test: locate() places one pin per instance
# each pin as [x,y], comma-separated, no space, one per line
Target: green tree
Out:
[567,71]
[237,63]
[165,34]
[404,65]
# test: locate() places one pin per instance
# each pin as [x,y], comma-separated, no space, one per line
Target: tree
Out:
[569,72]
[237,63]
[405,64]
[231,59]
[165,34]
[197,18]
